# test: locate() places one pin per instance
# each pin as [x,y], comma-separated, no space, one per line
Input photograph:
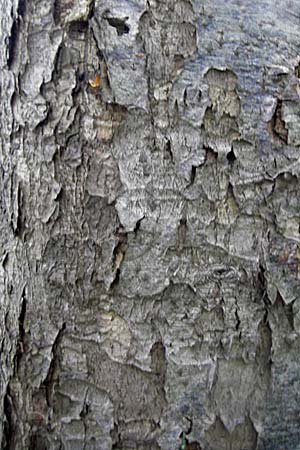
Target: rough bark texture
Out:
[150,257]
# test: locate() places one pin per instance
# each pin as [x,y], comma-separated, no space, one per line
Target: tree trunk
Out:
[150,217]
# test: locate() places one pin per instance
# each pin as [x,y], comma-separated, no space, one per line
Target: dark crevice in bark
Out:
[91,10]
[230,192]
[185,444]
[264,353]
[120,248]
[262,282]
[176,115]
[78,27]
[116,437]
[12,421]
[193,175]
[264,350]
[37,441]
[181,233]
[185,97]
[119,24]
[83,414]
[8,426]
[21,340]
[231,157]
[56,12]
[54,368]
[18,224]
[178,62]
[99,51]
[22,317]
[13,43]
[210,154]
[287,309]
[277,126]
[118,255]
[116,279]
[238,321]
[168,151]
[80,81]
[21,8]
[138,225]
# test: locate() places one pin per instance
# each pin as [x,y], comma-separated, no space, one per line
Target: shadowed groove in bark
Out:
[12,415]
[21,343]
[8,421]
[277,125]
[54,368]
[231,157]
[13,42]
[119,24]
[118,255]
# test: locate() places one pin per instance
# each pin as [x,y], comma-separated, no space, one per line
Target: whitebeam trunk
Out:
[149,228]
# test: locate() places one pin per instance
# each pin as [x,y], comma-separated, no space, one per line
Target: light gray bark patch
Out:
[42,52]
[103,177]
[282,376]
[65,12]
[123,52]
[125,382]
[220,120]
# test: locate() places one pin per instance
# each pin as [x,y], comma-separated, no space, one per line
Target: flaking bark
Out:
[150,224]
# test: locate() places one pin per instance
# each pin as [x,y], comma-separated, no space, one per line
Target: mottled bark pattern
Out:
[150,225]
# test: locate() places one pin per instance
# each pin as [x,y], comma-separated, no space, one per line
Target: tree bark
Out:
[150,224]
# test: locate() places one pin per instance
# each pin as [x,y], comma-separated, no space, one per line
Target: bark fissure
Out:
[54,367]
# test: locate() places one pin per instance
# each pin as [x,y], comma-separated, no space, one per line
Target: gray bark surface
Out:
[150,224]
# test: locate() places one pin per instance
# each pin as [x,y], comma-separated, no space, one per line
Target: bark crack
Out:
[118,255]
[119,24]
[277,125]
[54,368]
